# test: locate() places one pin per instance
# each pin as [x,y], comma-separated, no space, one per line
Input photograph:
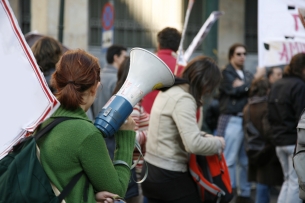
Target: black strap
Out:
[74,180]
[69,187]
[49,127]
[178,81]
[86,191]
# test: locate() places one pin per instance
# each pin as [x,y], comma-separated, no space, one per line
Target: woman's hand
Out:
[104,197]
[223,144]
[129,124]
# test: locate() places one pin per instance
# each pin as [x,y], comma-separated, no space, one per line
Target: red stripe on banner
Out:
[31,60]
[35,68]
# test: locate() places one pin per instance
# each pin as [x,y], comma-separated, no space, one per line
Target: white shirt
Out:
[240,73]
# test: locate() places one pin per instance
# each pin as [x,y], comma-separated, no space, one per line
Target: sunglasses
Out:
[241,53]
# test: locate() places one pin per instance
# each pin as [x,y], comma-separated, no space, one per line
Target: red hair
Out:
[76,72]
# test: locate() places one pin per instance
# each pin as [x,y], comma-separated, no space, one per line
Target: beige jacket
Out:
[173,131]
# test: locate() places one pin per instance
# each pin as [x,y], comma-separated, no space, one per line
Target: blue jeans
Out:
[290,188]
[262,193]
[235,155]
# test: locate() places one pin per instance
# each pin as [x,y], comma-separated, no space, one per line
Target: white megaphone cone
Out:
[147,72]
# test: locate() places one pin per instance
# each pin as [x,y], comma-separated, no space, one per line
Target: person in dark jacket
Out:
[233,96]
[264,166]
[285,104]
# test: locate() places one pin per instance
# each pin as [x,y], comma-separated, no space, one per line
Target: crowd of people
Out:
[207,111]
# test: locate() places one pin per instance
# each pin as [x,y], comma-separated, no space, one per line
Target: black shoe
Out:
[241,199]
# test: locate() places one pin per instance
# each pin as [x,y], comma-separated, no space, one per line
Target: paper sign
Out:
[280,31]
[26,99]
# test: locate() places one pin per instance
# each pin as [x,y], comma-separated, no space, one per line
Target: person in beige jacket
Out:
[173,134]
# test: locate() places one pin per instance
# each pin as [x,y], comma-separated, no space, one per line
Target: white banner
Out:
[280,32]
[26,99]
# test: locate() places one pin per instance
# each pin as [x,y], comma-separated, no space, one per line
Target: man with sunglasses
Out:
[233,96]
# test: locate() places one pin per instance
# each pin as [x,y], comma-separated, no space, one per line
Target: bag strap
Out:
[70,186]
[120,162]
[202,181]
[75,179]
[138,146]
[49,127]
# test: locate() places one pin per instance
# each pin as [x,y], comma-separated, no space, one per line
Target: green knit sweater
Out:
[77,145]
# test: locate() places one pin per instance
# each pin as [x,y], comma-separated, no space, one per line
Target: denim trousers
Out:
[290,188]
[262,193]
[235,154]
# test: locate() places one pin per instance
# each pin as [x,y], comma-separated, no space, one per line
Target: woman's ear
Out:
[94,89]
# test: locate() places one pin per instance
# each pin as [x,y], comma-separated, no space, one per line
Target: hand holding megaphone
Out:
[147,72]
[128,124]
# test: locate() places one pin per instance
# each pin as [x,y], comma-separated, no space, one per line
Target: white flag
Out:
[26,99]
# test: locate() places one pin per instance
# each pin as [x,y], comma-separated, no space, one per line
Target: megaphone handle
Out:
[113,115]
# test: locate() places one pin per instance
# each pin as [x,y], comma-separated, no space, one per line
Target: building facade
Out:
[137,22]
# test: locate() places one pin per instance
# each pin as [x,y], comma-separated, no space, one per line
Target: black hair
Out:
[114,50]
[169,38]
[203,75]
[296,66]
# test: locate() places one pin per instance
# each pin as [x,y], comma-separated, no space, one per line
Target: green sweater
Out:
[77,145]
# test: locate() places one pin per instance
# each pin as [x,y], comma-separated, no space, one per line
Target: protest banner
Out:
[26,99]
[280,31]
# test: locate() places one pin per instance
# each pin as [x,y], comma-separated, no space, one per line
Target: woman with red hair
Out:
[76,145]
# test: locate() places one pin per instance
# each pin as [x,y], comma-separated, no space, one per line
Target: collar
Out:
[233,70]
[185,87]
[79,113]
[178,81]
[231,67]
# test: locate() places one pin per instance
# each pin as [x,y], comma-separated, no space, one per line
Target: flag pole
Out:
[180,49]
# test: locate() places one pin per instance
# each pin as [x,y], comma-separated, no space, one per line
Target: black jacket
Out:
[285,104]
[233,99]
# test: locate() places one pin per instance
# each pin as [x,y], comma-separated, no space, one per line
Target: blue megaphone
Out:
[147,72]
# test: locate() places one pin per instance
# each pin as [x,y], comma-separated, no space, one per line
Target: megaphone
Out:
[147,72]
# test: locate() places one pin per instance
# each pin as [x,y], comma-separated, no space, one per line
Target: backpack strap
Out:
[70,186]
[49,127]
[202,181]
[212,188]
[75,179]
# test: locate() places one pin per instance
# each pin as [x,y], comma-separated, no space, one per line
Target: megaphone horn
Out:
[147,72]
